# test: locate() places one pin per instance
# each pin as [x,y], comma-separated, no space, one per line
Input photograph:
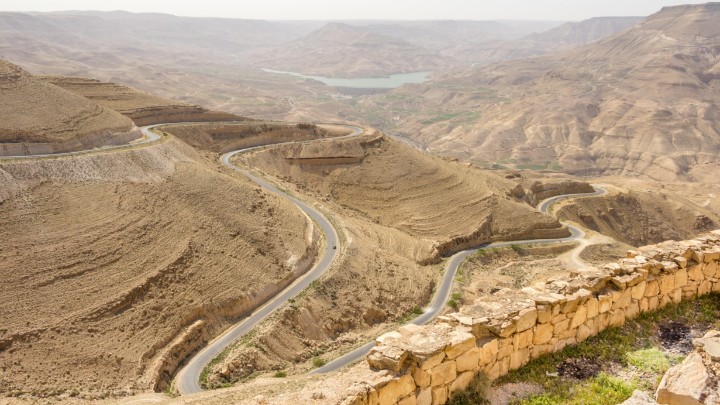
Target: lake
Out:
[390,82]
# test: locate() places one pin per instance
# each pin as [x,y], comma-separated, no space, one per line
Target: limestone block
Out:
[469,360]
[504,365]
[571,305]
[561,327]
[676,296]
[461,342]
[603,321]
[544,313]
[644,306]
[570,333]
[681,262]
[640,398]
[523,339]
[462,382]
[443,373]
[604,303]
[710,270]
[421,377]
[539,350]
[685,382]
[387,358]
[439,395]
[425,397]
[667,283]
[632,310]
[505,347]
[410,400]
[393,391]
[527,318]
[705,287]
[489,352]
[519,358]
[492,371]
[716,286]
[652,289]
[592,308]
[681,278]
[653,303]
[695,273]
[665,300]
[580,317]
[712,254]
[543,333]
[638,291]
[689,291]
[432,361]
[670,267]
[709,344]
[583,332]
[617,317]
[558,318]
[622,300]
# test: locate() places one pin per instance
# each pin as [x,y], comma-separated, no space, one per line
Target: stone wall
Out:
[505,331]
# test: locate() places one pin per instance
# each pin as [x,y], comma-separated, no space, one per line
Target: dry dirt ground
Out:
[142,108]
[638,212]
[106,258]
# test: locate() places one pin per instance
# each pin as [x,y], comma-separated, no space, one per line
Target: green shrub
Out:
[318,361]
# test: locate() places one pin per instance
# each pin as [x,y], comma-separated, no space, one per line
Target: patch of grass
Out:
[280,374]
[516,248]
[635,344]
[318,361]
[474,394]
[651,360]
[416,310]
[206,371]
[453,304]
[603,390]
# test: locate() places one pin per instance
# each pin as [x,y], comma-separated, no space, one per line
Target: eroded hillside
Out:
[108,258]
[38,117]
[642,103]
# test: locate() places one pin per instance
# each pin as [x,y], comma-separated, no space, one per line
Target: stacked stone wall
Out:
[508,329]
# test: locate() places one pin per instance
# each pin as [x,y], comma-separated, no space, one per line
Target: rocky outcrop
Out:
[695,380]
[505,331]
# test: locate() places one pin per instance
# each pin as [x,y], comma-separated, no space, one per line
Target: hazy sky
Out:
[362,9]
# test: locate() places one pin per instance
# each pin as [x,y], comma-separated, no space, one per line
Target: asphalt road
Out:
[150,137]
[442,294]
[187,380]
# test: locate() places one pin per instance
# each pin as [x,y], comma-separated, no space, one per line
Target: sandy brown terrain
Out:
[107,258]
[641,103]
[142,108]
[37,117]
[342,50]
[639,213]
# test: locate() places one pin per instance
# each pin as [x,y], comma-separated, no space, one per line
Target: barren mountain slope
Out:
[349,51]
[38,116]
[641,103]
[400,187]
[142,108]
[399,210]
[107,258]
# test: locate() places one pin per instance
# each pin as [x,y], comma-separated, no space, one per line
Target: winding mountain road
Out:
[442,294]
[187,380]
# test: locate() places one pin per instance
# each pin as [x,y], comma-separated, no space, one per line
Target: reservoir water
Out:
[389,82]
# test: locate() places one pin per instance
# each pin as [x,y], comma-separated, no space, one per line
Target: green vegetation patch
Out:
[607,368]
